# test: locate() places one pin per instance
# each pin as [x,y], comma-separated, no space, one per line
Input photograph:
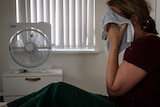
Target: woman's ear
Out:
[134,19]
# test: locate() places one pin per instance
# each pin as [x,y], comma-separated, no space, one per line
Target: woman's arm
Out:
[120,79]
[126,77]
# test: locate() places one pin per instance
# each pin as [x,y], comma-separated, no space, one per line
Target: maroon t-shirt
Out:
[144,53]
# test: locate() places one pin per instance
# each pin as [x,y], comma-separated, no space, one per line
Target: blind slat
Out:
[52,20]
[33,10]
[90,23]
[84,22]
[40,11]
[78,23]
[66,23]
[72,23]
[46,11]
[59,23]
[27,9]
[21,13]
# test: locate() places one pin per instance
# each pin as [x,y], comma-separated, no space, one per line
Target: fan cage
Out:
[39,54]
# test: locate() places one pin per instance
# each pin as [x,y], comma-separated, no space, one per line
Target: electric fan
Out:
[29,45]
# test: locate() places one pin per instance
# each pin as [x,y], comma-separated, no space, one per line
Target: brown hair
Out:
[139,7]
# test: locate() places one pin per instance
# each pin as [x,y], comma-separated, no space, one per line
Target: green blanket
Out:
[61,95]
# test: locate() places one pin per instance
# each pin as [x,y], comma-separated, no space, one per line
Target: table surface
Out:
[3,103]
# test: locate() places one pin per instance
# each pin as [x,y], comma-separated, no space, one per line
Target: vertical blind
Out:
[72,21]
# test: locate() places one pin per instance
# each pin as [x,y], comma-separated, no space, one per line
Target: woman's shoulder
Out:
[148,44]
[153,37]
[151,40]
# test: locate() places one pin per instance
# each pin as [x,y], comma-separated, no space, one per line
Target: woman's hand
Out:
[115,33]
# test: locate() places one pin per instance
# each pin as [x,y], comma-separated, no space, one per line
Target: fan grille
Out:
[29,47]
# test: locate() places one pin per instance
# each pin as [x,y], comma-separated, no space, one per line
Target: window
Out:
[72,21]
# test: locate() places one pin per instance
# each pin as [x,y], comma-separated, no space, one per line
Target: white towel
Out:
[113,17]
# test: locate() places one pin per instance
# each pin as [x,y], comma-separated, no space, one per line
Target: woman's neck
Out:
[142,34]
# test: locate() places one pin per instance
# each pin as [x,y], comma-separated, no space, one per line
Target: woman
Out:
[133,83]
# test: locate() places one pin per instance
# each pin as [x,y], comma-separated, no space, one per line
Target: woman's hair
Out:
[139,7]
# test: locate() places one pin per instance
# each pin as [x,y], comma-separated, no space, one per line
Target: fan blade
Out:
[37,54]
[20,43]
[40,41]
[23,38]
[25,59]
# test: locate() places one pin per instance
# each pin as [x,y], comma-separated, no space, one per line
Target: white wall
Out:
[157,15]
[7,9]
[86,71]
